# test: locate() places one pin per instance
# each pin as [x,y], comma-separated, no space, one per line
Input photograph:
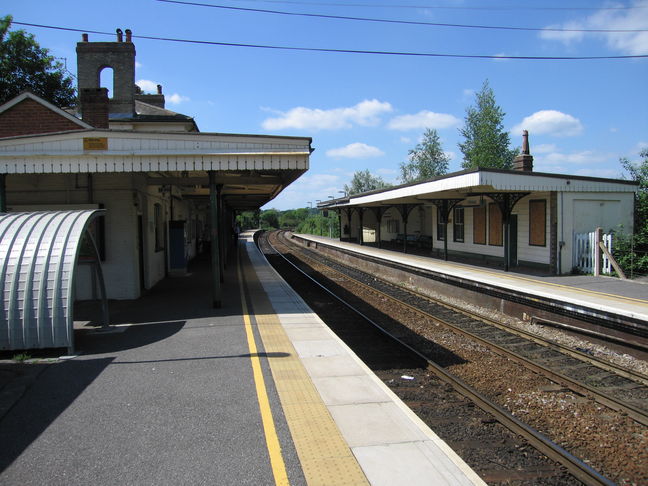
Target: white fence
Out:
[586,250]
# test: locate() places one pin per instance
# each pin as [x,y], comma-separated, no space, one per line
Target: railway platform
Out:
[258,392]
[606,296]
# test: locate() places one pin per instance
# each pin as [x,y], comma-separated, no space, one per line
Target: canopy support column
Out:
[3,193]
[445,206]
[506,201]
[215,229]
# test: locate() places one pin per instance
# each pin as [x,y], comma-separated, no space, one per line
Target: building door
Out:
[513,238]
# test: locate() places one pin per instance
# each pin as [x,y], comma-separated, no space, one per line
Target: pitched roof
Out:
[28,113]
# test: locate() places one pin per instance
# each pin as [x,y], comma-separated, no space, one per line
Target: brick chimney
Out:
[524,161]
[94,106]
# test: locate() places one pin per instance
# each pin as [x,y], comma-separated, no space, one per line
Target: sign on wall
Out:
[95,143]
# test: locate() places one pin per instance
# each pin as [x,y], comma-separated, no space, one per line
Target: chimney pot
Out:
[120,35]
[524,161]
[129,35]
[159,88]
[84,37]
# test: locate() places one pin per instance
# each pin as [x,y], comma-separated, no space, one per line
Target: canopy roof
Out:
[467,183]
[252,169]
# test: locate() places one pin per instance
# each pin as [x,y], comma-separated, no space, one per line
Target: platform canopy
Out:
[250,170]
[39,252]
[475,182]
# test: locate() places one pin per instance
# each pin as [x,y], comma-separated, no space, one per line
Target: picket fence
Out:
[585,250]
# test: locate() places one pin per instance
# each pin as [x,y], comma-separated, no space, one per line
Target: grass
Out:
[22,357]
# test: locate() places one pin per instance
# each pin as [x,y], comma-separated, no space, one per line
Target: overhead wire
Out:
[448,7]
[343,51]
[393,21]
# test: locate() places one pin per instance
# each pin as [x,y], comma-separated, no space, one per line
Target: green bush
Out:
[631,253]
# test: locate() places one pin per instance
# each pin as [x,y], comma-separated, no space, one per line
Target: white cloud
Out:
[176,99]
[150,87]
[567,36]
[630,43]
[406,140]
[387,172]
[549,122]
[147,85]
[422,119]
[355,151]
[468,93]
[543,148]
[607,173]
[584,162]
[365,113]
[501,57]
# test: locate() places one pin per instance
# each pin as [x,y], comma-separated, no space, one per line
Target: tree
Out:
[363,181]
[639,172]
[486,143]
[292,218]
[269,219]
[25,65]
[426,160]
[631,251]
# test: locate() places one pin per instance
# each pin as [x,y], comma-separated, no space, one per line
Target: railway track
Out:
[620,389]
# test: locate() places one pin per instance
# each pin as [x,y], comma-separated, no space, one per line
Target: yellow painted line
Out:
[541,283]
[325,457]
[272,441]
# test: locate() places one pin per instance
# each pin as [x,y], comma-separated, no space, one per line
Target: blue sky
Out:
[365,111]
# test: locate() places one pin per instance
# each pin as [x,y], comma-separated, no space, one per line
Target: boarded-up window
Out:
[538,222]
[494,225]
[479,225]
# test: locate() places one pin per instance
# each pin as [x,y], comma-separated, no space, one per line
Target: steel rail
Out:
[637,414]
[575,466]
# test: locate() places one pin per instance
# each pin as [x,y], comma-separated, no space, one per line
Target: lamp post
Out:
[320,222]
[329,221]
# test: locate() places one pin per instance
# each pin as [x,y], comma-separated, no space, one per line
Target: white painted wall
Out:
[584,212]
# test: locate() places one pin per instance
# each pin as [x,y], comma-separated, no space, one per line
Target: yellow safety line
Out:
[272,441]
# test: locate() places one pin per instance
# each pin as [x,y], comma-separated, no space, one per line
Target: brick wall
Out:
[30,117]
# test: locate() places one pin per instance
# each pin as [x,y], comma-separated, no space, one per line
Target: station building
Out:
[505,218]
[168,190]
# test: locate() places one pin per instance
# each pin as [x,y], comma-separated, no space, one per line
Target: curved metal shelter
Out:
[39,252]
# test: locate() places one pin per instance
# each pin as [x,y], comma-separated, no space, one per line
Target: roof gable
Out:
[28,114]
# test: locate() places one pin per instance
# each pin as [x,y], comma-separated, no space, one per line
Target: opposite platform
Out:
[611,295]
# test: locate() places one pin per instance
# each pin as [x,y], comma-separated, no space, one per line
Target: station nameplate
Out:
[95,143]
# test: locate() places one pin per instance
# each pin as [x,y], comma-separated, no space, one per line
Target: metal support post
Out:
[214,193]
[3,193]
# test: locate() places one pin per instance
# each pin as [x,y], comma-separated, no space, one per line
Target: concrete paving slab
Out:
[325,347]
[329,366]
[412,463]
[345,390]
[310,333]
[370,424]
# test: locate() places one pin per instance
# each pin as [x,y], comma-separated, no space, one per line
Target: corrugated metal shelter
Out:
[39,252]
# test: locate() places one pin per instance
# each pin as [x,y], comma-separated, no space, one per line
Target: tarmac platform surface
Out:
[257,392]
